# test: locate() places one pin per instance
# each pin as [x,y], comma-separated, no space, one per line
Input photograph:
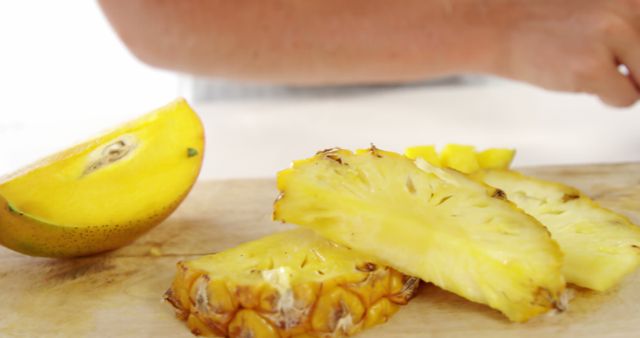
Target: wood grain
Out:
[119,294]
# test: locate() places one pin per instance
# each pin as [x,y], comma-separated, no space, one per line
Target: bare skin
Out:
[568,45]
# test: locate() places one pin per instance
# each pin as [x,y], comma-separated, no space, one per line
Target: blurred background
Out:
[64,75]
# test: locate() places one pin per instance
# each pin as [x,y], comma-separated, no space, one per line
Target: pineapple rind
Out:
[428,222]
[600,246]
[289,284]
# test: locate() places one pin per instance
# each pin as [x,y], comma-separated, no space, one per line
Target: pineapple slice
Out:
[600,247]
[291,284]
[428,222]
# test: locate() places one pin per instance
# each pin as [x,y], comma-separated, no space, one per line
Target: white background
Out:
[64,75]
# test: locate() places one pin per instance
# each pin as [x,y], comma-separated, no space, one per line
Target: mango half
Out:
[102,194]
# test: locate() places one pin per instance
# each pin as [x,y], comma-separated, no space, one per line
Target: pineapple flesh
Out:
[600,247]
[290,284]
[427,153]
[463,158]
[496,158]
[428,222]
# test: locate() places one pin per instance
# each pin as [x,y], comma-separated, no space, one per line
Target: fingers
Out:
[626,48]
[628,54]
[621,35]
[598,74]
[614,88]
[633,77]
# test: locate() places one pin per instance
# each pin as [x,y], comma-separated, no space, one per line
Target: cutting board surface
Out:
[119,294]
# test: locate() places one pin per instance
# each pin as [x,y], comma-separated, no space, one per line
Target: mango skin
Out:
[27,235]
[36,235]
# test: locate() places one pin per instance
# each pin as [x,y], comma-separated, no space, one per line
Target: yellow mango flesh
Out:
[105,192]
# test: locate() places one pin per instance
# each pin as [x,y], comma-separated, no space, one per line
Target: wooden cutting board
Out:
[119,294]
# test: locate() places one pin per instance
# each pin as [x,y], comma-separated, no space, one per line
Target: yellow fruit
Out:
[495,158]
[427,222]
[463,158]
[427,153]
[600,247]
[103,193]
[291,284]
[459,157]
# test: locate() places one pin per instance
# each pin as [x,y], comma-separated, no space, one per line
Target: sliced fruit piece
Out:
[432,223]
[459,157]
[463,158]
[496,158]
[103,193]
[290,284]
[600,247]
[427,153]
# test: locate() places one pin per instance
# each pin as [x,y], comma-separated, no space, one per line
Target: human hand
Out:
[573,45]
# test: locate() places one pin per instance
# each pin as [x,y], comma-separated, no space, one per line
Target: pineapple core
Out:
[291,284]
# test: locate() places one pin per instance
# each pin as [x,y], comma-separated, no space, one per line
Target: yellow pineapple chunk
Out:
[428,222]
[463,158]
[459,157]
[427,153]
[600,247]
[496,158]
[291,284]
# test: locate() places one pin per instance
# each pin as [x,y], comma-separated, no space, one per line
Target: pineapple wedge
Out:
[291,284]
[428,222]
[600,247]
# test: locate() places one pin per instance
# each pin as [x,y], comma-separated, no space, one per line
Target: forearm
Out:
[310,42]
